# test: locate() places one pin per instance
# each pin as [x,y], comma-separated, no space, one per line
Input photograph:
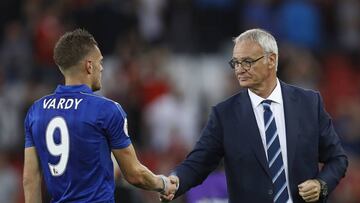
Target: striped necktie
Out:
[275,161]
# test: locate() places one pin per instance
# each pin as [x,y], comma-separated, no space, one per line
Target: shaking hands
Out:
[171,184]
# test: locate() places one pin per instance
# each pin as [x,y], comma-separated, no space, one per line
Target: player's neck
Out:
[77,81]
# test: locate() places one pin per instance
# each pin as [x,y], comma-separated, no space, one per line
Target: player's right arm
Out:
[136,173]
[113,120]
[32,176]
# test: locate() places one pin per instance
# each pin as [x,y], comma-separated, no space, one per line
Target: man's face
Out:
[255,64]
[96,62]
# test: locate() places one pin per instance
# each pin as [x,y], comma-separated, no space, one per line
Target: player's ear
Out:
[88,66]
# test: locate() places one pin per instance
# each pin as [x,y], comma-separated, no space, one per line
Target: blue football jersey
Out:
[73,131]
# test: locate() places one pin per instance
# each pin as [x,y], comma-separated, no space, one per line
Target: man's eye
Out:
[247,62]
[234,62]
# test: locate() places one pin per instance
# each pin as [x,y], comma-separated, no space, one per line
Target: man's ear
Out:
[272,60]
[88,66]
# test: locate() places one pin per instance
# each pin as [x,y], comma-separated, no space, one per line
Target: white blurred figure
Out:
[171,118]
[9,181]
[11,102]
[150,19]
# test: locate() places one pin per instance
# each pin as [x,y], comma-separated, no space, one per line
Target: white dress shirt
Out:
[277,107]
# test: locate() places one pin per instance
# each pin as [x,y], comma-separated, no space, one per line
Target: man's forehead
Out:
[97,52]
[247,44]
[245,49]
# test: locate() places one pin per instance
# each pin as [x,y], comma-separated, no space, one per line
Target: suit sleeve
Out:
[204,158]
[331,152]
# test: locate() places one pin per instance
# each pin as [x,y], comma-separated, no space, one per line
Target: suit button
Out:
[270,191]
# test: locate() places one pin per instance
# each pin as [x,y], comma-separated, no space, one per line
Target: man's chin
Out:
[244,84]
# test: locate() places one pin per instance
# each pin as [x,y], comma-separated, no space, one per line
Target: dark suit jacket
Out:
[232,133]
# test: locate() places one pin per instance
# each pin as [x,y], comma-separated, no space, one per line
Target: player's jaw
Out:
[97,83]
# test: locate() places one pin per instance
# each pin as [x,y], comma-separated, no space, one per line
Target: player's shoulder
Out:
[36,105]
[40,101]
[102,101]
[96,97]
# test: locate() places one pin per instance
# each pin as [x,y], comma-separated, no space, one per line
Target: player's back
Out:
[71,131]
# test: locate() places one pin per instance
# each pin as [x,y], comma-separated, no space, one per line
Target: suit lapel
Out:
[248,125]
[291,108]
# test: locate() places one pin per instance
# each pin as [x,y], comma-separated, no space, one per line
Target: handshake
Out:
[170,186]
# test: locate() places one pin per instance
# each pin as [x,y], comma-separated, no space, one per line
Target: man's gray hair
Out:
[263,38]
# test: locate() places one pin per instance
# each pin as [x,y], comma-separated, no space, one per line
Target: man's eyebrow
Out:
[243,58]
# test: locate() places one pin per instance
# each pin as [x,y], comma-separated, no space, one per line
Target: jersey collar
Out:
[73,88]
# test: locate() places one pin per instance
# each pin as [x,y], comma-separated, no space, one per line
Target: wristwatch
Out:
[323,188]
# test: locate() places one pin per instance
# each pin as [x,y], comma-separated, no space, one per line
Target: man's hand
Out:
[310,190]
[172,188]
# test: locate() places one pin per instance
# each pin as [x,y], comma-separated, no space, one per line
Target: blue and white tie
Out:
[275,161]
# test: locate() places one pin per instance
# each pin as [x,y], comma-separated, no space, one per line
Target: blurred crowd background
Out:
[166,64]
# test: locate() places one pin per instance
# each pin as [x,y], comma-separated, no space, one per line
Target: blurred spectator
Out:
[338,79]
[155,82]
[150,15]
[348,24]
[47,32]
[300,67]
[10,121]
[300,23]
[215,20]
[131,97]
[258,13]
[107,20]
[10,10]
[9,180]
[179,17]
[347,120]
[15,52]
[171,119]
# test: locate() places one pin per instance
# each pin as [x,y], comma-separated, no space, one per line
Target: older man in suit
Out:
[271,135]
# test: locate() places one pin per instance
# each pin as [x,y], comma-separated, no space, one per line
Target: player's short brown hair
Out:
[72,47]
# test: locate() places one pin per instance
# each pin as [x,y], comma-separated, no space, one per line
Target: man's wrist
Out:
[164,183]
[323,188]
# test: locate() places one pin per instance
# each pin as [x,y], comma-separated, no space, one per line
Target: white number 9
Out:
[61,149]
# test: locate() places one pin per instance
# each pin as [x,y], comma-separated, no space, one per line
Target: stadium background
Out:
[166,64]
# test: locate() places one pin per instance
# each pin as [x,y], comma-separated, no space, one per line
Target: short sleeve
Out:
[29,141]
[115,125]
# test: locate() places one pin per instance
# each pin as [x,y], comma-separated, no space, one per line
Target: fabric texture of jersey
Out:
[73,131]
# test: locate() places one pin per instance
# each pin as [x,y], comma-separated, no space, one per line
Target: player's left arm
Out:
[32,176]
